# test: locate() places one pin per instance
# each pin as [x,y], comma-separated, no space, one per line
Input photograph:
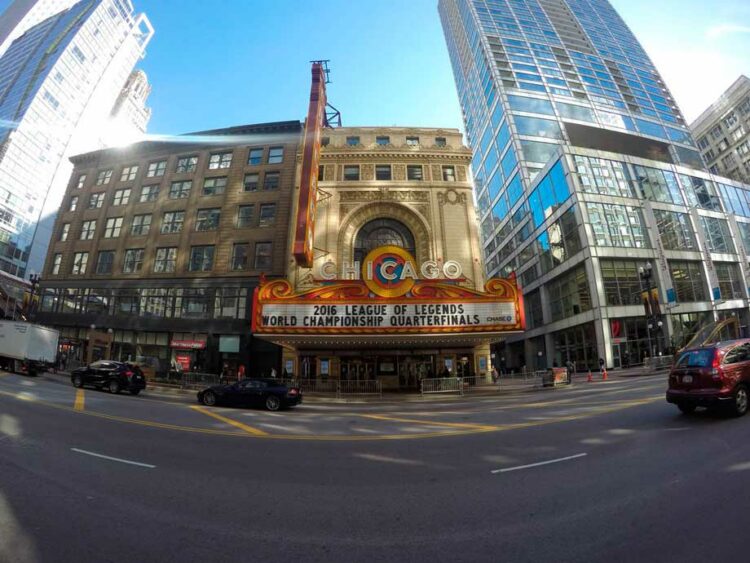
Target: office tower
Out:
[589,185]
[22,15]
[130,114]
[723,132]
[58,84]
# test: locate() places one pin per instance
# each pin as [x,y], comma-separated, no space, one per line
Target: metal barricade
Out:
[442,385]
[317,386]
[370,388]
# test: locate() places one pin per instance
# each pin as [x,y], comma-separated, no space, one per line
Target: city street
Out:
[599,471]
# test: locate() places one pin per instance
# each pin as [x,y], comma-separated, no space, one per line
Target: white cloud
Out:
[719,31]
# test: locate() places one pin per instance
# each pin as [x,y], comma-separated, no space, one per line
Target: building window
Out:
[622,284]
[440,142]
[208,219]
[214,186]
[569,294]
[240,252]
[325,141]
[186,164]
[717,235]
[88,228]
[201,258]
[414,172]
[275,155]
[267,214]
[230,302]
[675,230]
[173,222]
[255,157]
[133,260]
[220,160]
[533,303]
[80,260]
[81,181]
[179,190]
[121,197]
[352,141]
[383,172]
[617,225]
[78,54]
[601,176]
[245,215]
[64,232]
[112,227]
[56,263]
[73,203]
[271,181]
[166,260]
[104,262]
[128,173]
[194,303]
[251,182]
[383,141]
[687,281]
[700,193]
[156,169]
[262,255]
[141,225]
[449,174]
[149,193]
[412,141]
[557,244]
[730,281]
[321,173]
[351,172]
[103,177]
[96,200]
[382,232]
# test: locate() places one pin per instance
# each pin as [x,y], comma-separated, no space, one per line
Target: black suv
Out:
[113,376]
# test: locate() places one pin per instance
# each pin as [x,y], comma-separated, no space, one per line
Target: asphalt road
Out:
[597,472]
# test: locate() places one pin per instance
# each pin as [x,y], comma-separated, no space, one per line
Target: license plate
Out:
[687,378]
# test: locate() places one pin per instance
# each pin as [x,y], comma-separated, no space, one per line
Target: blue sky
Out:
[227,62]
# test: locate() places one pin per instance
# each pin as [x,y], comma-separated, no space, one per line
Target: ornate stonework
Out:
[437,173]
[330,173]
[451,197]
[367,171]
[399,172]
[461,173]
[384,194]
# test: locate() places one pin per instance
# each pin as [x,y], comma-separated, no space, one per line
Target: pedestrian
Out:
[63,360]
[495,375]
[241,372]
[601,364]
[273,373]
[223,378]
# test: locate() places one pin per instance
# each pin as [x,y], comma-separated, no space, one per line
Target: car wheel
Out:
[740,401]
[209,398]
[114,387]
[77,381]
[686,408]
[135,391]
[273,403]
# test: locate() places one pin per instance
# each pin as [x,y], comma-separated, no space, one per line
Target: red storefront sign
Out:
[188,344]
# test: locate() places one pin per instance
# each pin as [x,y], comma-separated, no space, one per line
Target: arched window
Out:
[382,232]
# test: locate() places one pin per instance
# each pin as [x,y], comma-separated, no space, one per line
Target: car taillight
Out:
[715,371]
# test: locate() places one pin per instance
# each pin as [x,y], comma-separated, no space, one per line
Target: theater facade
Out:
[391,286]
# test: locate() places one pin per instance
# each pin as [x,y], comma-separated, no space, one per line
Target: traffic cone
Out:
[590,378]
[604,375]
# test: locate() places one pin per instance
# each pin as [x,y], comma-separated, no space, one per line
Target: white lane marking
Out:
[139,464]
[505,470]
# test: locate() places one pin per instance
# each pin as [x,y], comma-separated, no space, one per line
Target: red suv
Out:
[712,376]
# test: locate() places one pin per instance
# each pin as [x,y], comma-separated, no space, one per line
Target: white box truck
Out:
[26,347]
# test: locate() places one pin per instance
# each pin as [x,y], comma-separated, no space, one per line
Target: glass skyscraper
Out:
[589,185]
[59,81]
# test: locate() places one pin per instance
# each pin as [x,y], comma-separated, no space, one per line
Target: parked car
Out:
[268,393]
[717,375]
[110,375]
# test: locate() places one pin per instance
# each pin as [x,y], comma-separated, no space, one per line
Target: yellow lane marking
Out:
[80,400]
[344,437]
[235,423]
[480,427]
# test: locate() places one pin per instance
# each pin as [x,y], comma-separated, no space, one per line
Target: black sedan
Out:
[110,375]
[268,393]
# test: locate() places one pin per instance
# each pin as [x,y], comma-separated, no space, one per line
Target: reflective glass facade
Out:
[585,172]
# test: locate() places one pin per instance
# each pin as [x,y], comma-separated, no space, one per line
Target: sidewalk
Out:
[506,387]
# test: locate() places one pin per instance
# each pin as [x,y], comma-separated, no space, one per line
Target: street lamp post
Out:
[653,321]
[34,280]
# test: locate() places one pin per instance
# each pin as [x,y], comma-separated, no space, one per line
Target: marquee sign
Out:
[388,299]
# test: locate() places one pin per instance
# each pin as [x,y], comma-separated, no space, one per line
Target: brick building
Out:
[160,246]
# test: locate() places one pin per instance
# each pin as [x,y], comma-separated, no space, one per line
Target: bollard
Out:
[590,378]
[604,375]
